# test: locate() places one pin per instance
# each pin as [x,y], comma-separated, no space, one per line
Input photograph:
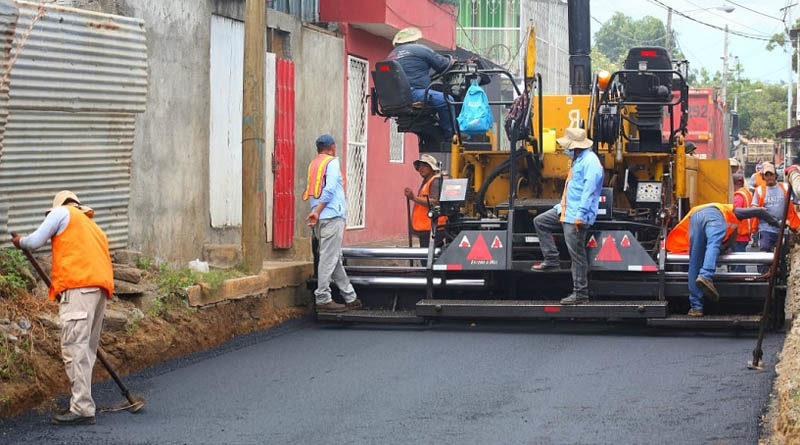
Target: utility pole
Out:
[791,75]
[668,43]
[725,68]
[254,234]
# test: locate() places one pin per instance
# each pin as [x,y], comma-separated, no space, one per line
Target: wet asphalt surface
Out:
[494,383]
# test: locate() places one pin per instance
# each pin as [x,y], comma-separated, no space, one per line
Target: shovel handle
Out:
[34,263]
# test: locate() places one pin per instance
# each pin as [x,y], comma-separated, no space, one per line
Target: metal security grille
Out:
[497,30]
[357,84]
[396,143]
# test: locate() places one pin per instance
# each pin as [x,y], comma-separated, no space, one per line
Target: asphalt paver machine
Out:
[637,118]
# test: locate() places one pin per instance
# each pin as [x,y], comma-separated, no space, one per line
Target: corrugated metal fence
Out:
[305,10]
[74,92]
[8,22]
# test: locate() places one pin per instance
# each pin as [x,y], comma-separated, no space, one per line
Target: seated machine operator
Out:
[417,60]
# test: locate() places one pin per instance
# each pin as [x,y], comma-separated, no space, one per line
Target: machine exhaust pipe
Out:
[580,46]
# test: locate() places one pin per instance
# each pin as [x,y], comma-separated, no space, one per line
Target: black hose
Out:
[480,207]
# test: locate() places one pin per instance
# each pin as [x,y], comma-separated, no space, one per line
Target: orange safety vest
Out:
[792,219]
[80,257]
[316,176]
[746,227]
[759,180]
[678,238]
[419,218]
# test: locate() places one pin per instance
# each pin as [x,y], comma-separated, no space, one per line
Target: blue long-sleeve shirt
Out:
[417,60]
[55,223]
[332,193]
[582,193]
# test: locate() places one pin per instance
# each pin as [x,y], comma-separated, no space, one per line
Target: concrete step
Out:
[274,275]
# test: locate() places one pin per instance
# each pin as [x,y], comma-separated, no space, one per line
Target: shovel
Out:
[136,402]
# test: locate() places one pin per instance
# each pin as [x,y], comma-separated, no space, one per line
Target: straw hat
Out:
[427,159]
[407,35]
[63,197]
[574,138]
[734,162]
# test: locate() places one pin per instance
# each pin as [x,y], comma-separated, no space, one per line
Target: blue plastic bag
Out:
[476,115]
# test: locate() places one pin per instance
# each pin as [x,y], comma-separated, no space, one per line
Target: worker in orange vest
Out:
[428,167]
[82,281]
[772,195]
[325,193]
[741,199]
[703,233]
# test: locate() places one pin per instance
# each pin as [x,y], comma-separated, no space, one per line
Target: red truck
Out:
[707,128]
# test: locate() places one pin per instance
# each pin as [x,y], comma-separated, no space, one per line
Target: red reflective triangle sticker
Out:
[592,242]
[479,251]
[464,242]
[609,251]
[625,241]
[496,244]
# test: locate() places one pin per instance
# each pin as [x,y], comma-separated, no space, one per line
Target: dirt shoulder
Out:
[783,417]
[32,373]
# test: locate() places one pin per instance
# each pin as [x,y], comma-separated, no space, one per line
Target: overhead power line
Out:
[736,33]
[755,11]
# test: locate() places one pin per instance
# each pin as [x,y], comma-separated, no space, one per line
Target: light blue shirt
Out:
[332,193]
[583,189]
[774,202]
[55,223]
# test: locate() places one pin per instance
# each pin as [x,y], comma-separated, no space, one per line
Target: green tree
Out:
[620,33]
[761,113]
[781,40]
[602,63]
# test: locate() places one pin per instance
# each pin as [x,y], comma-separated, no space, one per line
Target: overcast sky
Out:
[702,45]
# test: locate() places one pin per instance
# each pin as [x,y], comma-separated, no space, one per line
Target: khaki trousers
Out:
[81,311]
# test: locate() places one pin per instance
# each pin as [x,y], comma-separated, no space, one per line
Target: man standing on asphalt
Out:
[574,215]
[325,190]
[82,281]
[704,233]
[417,60]
[428,168]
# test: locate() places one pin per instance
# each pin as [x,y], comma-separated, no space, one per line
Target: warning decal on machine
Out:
[472,250]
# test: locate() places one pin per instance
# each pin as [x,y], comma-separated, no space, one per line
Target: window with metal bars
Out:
[396,143]
[356,156]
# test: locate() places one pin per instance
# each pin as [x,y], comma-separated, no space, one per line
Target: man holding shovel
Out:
[82,280]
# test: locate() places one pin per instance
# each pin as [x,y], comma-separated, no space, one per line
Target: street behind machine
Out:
[652,179]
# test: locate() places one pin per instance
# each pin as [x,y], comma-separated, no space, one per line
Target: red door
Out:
[283,205]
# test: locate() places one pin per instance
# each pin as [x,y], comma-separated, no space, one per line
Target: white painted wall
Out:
[225,126]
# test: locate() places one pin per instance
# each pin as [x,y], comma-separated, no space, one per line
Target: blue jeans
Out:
[547,223]
[706,233]
[436,100]
[739,246]
[766,243]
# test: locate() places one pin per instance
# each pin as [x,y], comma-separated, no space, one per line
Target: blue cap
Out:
[325,141]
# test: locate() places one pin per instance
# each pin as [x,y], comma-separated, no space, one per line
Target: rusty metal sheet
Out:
[79,60]
[88,153]
[8,22]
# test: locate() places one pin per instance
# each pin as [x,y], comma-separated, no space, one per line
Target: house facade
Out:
[379,160]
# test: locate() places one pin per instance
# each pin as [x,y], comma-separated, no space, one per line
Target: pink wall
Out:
[386,204]
[437,21]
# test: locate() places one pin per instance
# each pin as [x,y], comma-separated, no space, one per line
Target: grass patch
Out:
[15,273]
[15,360]
[172,284]
[145,263]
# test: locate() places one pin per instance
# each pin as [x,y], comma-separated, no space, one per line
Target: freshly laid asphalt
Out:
[536,383]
